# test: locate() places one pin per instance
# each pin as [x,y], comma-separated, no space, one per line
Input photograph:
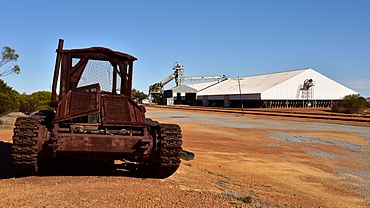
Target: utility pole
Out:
[240,96]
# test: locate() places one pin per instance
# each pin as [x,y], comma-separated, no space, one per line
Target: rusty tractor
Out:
[95,118]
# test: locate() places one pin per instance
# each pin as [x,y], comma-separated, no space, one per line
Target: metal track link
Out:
[169,147]
[24,148]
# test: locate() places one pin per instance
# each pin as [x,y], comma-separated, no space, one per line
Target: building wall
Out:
[324,89]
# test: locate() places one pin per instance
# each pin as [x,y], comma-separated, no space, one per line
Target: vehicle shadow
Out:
[6,169]
[68,167]
[74,167]
[63,167]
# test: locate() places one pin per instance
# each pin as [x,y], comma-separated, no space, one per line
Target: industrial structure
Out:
[156,91]
[298,88]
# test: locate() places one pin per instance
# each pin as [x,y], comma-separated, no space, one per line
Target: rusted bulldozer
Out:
[95,118]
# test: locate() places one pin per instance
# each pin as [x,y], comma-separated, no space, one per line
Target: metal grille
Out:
[98,72]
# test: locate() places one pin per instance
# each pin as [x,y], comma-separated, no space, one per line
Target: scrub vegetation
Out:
[351,104]
[11,100]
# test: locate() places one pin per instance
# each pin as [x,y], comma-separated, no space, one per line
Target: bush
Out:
[9,99]
[6,104]
[138,96]
[34,102]
[350,104]
[28,104]
[245,199]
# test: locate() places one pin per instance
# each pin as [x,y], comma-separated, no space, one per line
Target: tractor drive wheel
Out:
[168,150]
[28,134]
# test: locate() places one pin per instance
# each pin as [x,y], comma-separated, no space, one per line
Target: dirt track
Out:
[276,162]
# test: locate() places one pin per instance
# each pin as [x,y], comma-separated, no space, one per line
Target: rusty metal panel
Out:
[63,107]
[115,109]
[85,100]
[79,102]
[119,109]
[139,115]
[103,143]
[132,112]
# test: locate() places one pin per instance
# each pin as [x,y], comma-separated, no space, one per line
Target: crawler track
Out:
[25,145]
[168,149]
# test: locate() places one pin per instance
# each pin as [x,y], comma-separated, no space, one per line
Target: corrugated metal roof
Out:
[250,84]
[183,88]
[201,86]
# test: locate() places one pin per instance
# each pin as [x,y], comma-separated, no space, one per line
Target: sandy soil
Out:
[274,162]
[6,135]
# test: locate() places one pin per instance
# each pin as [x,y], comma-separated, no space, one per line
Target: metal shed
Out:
[282,89]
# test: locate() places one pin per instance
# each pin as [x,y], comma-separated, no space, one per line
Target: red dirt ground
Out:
[231,162]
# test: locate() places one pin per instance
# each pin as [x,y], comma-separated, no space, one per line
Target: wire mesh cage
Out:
[98,72]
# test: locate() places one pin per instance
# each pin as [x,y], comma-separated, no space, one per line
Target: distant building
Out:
[187,94]
[298,88]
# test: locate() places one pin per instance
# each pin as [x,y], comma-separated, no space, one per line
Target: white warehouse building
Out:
[297,88]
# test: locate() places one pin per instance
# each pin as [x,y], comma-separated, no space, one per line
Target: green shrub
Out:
[34,102]
[350,104]
[245,199]
[28,104]
[9,99]
[138,96]
[44,99]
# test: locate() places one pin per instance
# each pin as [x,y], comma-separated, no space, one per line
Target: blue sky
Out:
[235,38]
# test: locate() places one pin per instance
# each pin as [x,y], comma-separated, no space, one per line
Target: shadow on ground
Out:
[76,167]
[6,170]
[69,167]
